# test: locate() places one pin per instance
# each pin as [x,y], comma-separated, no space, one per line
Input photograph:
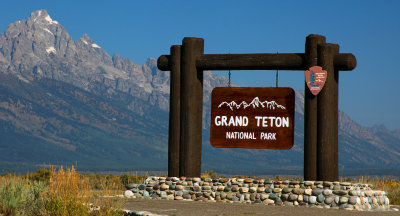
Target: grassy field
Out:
[67,192]
[62,192]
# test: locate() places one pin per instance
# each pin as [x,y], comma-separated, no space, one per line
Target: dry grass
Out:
[58,192]
[390,185]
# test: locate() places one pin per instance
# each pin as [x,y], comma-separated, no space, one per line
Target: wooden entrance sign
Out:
[187,62]
[252,117]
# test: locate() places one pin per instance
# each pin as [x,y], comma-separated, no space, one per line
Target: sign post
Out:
[191,99]
[327,121]
[310,110]
[252,117]
[174,114]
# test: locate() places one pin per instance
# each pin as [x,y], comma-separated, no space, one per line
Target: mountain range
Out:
[65,102]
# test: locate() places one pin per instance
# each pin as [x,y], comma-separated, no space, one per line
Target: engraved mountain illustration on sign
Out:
[255,103]
[68,102]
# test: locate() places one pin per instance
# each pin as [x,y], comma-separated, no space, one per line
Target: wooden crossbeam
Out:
[261,61]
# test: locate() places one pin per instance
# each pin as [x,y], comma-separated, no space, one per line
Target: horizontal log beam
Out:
[345,62]
[251,61]
[281,61]
[164,62]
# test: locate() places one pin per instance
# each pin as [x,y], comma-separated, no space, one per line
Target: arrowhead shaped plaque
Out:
[315,78]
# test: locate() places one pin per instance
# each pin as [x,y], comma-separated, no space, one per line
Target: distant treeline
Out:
[118,170]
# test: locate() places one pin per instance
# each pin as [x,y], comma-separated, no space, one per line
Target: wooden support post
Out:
[310,111]
[191,108]
[174,112]
[327,132]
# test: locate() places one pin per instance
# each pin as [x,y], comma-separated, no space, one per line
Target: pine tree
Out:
[312,80]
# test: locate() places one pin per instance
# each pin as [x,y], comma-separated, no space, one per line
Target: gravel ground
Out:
[171,207]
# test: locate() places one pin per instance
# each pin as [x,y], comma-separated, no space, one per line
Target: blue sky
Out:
[370,30]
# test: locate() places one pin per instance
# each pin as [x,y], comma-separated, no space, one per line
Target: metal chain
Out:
[229,82]
[276,77]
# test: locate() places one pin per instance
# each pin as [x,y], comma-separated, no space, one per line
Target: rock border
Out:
[320,194]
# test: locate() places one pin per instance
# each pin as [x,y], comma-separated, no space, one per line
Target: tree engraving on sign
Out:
[265,122]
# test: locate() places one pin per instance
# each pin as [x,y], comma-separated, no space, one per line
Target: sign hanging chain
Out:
[276,76]
[229,82]
[229,79]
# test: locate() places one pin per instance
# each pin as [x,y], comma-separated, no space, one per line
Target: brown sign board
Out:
[252,117]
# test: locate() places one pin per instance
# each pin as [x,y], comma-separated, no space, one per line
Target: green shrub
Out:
[12,198]
[21,197]
[41,175]
[211,174]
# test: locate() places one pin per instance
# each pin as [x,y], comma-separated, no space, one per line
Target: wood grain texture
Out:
[191,108]
[261,61]
[174,112]
[310,111]
[327,111]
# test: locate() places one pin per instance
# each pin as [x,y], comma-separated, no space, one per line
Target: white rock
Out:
[129,194]
[358,201]
[196,179]
[308,192]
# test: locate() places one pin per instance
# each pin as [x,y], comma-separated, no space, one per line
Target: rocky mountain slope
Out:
[66,102]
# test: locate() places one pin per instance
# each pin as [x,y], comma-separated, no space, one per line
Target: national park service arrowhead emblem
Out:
[315,79]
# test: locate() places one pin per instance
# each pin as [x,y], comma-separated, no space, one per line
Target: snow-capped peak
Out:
[48,19]
[41,16]
[88,41]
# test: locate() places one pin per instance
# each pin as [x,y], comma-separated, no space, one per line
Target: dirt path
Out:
[171,207]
